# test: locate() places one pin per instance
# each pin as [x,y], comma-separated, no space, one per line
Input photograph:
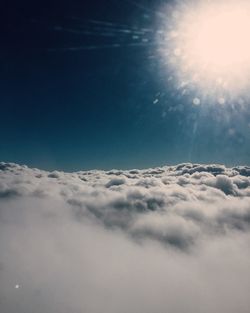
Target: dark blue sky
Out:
[101,106]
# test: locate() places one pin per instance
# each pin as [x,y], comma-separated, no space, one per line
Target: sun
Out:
[220,39]
[208,43]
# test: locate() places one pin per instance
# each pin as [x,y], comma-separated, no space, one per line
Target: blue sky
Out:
[102,106]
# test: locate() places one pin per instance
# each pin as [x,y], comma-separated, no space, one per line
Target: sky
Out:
[124,156]
[84,85]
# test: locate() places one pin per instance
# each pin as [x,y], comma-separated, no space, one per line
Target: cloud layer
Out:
[170,239]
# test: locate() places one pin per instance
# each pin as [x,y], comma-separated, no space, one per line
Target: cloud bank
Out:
[170,239]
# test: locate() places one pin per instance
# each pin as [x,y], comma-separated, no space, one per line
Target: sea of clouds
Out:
[173,239]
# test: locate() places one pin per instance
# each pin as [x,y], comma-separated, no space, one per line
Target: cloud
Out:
[172,239]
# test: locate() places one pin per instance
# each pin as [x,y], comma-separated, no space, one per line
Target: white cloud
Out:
[171,239]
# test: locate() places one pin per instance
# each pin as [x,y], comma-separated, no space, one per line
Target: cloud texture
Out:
[171,239]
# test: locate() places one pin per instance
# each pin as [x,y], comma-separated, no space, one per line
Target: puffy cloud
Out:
[170,239]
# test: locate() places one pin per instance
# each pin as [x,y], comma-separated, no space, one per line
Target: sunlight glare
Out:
[211,43]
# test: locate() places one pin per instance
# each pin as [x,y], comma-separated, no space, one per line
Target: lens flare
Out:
[207,43]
